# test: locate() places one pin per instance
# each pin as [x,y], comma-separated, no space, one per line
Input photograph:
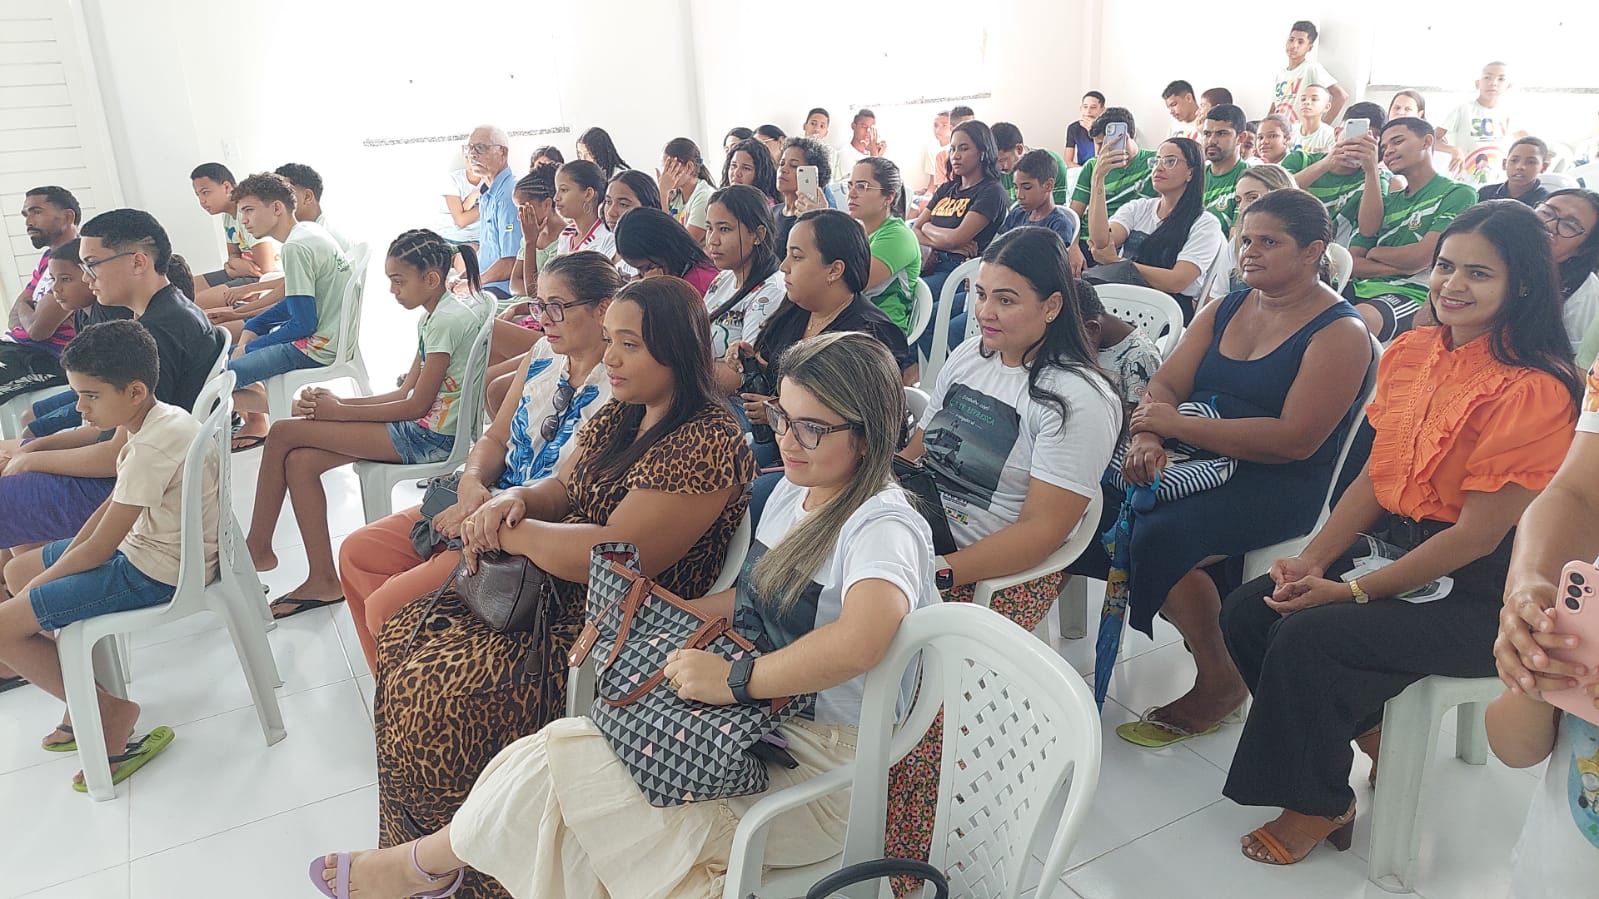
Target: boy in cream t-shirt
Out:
[126,556]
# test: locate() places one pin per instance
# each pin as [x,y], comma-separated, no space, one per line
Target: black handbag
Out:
[508,593]
[919,482]
[877,869]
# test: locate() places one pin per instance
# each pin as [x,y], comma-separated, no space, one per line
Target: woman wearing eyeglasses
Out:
[563,385]
[1168,238]
[1571,219]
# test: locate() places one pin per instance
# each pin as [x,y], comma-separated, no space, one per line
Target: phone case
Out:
[806,180]
[1576,612]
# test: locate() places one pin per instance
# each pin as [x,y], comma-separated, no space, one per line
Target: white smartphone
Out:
[1115,136]
[805,180]
[1356,128]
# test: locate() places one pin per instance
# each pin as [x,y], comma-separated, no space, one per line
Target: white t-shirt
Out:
[693,211]
[1204,236]
[337,235]
[986,438]
[885,539]
[1291,82]
[150,476]
[1483,134]
[455,184]
[1319,141]
[744,321]
[1580,310]
[601,240]
[1557,856]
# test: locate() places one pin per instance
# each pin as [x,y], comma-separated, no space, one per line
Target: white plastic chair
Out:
[1019,767]
[1587,175]
[1217,266]
[1409,738]
[580,681]
[227,596]
[921,312]
[12,410]
[1073,615]
[1151,310]
[347,363]
[1558,181]
[916,400]
[963,273]
[1340,263]
[1075,219]
[378,478]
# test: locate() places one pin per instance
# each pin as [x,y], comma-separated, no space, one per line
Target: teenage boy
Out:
[1312,134]
[961,114]
[863,142]
[307,186]
[935,154]
[126,555]
[39,326]
[1336,176]
[1034,176]
[1209,100]
[1184,109]
[1399,231]
[1079,146]
[1528,158]
[1218,137]
[296,325]
[1121,185]
[1475,133]
[1303,72]
[1012,147]
[248,257]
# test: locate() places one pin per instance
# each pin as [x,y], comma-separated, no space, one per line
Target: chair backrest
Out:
[1211,274]
[1150,310]
[469,421]
[1021,735]
[354,289]
[954,284]
[921,311]
[916,400]
[213,389]
[1340,264]
[1587,175]
[1357,413]
[737,551]
[1075,219]
[208,475]
[1558,181]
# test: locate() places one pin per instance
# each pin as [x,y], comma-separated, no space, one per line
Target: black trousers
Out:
[1321,676]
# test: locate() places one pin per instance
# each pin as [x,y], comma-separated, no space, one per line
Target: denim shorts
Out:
[55,413]
[257,366]
[417,444]
[116,586]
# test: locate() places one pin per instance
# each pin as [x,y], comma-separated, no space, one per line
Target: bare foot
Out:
[62,735]
[1202,708]
[383,874]
[117,718]
[263,558]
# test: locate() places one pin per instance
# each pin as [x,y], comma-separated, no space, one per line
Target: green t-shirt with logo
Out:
[1335,189]
[314,266]
[451,329]
[1219,196]
[1007,180]
[1406,220]
[895,244]
[1121,185]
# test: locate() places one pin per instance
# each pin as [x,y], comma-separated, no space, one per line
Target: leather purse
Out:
[508,593]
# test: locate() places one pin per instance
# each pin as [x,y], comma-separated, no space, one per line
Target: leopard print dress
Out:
[451,693]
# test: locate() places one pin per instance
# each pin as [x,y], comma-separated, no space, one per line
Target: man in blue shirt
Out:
[500,231]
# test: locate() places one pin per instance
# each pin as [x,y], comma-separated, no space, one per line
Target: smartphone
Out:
[1115,136]
[1356,128]
[805,178]
[1576,612]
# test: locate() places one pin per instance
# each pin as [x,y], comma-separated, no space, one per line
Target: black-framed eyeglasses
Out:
[560,402]
[808,433]
[1565,227]
[556,312]
[89,267]
[480,149]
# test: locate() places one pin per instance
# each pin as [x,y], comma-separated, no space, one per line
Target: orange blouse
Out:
[1453,421]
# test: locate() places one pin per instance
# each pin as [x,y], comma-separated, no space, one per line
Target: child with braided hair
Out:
[413,424]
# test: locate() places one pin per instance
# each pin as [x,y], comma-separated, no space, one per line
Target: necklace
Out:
[817,325]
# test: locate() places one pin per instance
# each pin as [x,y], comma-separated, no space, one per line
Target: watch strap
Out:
[738,680]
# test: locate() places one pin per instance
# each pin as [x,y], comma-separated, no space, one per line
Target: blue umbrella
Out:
[1118,543]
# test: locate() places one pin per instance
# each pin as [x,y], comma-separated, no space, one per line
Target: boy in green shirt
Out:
[1121,185]
[1011,148]
[1335,176]
[1218,136]
[1399,231]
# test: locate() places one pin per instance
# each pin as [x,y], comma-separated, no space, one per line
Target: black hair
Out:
[987,152]
[549,153]
[816,153]
[1113,114]
[1309,28]
[863,113]
[427,252]
[1301,214]
[1227,112]
[817,109]
[588,177]
[1006,136]
[116,352]
[603,151]
[178,272]
[752,209]
[70,251]
[677,334]
[962,112]
[1421,102]
[642,186]
[651,233]
[216,171]
[538,184]
[1251,127]
[1371,112]
[1166,243]
[770,132]
[268,187]
[1536,143]
[684,150]
[1413,124]
[1088,301]
[119,228]
[1039,256]
[1177,89]
[1573,271]
[591,275]
[738,133]
[60,198]
[1527,331]
[1096,95]
[888,178]
[301,175]
[765,168]
[1217,96]
[1038,165]
[839,237]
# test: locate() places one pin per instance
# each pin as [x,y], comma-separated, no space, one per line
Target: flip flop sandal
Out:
[300,605]
[11,683]
[69,746]
[139,754]
[247,443]
[1152,733]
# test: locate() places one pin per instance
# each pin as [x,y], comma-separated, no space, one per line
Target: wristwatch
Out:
[943,573]
[1361,598]
[738,680]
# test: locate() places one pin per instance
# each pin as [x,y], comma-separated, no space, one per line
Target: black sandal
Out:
[300,605]
[12,682]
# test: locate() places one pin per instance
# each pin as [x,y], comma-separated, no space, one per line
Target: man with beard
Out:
[39,326]
[1218,137]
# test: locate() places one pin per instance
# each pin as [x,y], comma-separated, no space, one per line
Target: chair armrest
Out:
[749,841]
[983,591]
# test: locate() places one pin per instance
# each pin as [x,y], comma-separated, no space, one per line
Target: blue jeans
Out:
[55,413]
[268,362]
[115,586]
[947,263]
[416,444]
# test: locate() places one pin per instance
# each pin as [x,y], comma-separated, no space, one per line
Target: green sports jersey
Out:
[895,244]
[1407,219]
[1060,180]
[1121,185]
[1332,188]
[1219,196]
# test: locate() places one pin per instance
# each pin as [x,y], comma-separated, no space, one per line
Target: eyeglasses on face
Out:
[89,267]
[555,312]
[480,149]
[808,433]
[1164,162]
[1564,227]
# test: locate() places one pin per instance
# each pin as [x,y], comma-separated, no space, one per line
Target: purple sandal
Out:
[341,882]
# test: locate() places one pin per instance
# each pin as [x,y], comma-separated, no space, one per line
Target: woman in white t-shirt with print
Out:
[740,240]
[1169,239]
[1018,432]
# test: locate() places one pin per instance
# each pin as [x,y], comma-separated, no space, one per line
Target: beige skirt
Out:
[557,814]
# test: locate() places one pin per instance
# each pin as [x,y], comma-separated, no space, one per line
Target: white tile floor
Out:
[222,814]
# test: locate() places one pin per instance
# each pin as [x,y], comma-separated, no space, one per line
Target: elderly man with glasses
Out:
[487,153]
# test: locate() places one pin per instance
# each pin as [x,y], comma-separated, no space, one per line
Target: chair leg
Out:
[83,705]
[377,495]
[1073,606]
[1409,738]
[111,665]
[255,658]
[124,650]
[1471,733]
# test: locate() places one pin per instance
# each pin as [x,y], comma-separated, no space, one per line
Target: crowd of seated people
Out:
[673,354]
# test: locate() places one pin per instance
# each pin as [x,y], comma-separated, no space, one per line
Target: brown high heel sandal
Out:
[1370,743]
[1341,836]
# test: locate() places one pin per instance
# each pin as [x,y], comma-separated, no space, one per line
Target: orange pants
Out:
[382,573]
